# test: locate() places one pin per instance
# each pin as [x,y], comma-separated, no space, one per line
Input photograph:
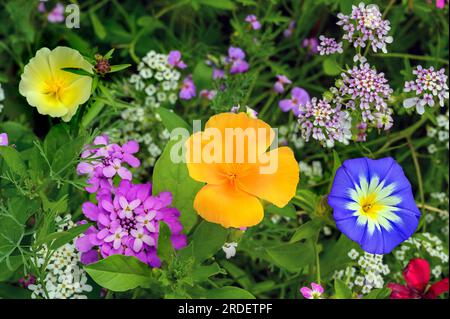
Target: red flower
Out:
[417,277]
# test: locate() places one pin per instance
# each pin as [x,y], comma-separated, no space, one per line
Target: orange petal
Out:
[277,187]
[199,169]
[247,132]
[228,206]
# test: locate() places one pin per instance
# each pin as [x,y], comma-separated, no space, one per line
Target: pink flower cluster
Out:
[363,89]
[365,26]
[428,85]
[324,123]
[103,161]
[126,217]
[253,21]
[329,46]
[188,89]
[299,98]
[56,15]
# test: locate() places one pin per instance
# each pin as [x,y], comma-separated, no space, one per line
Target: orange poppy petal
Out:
[199,169]
[260,133]
[278,187]
[228,206]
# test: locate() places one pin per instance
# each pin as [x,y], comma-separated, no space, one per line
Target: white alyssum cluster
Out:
[420,244]
[313,172]
[64,278]
[2,98]
[157,79]
[439,134]
[289,134]
[367,274]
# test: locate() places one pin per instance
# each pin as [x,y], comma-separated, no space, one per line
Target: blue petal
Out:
[373,243]
[408,203]
[350,228]
[341,184]
[380,167]
[339,205]
[355,168]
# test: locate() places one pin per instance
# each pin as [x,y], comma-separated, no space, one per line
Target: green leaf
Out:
[292,256]
[13,160]
[78,71]
[22,137]
[119,67]
[335,256]
[55,139]
[92,113]
[330,66]
[99,29]
[58,239]
[229,292]
[381,293]
[218,4]
[120,273]
[9,266]
[306,200]
[202,273]
[109,54]
[336,164]
[171,120]
[165,249]
[286,211]
[174,177]
[208,238]
[309,229]
[13,292]
[341,290]
[202,75]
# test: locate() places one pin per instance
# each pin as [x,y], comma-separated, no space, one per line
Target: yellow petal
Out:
[277,187]
[64,57]
[228,206]
[35,73]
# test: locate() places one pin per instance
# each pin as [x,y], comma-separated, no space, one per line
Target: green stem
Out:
[411,56]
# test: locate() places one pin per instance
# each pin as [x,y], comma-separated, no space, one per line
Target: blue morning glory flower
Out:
[373,204]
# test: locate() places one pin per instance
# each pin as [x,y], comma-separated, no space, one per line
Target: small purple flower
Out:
[290,29]
[27,280]
[188,90]
[4,139]
[174,59]
[299,98]
[329,46]
[57,14]
[314,293]
[311,44]
[41,6]
[236,57]
[253,20]
[218,73]
[279,84]
[208,94]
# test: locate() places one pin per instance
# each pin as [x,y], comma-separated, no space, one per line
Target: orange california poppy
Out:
[239,170]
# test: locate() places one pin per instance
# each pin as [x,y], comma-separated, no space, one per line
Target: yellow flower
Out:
[234,187]
[51,90]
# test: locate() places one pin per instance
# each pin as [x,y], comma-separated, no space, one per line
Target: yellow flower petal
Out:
[278,187]
[51,90]
[228,206]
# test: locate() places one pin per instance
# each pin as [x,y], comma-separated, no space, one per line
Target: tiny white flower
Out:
[229,249]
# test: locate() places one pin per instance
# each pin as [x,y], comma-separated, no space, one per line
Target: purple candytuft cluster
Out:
[329,46]
[365,26]
[428,85]
[324,123]
[363,89]
[126,217]
[103,161]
